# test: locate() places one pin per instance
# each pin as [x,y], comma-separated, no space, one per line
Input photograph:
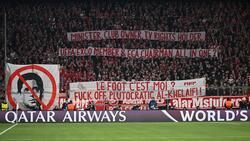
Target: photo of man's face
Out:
[36,84]
[28,100]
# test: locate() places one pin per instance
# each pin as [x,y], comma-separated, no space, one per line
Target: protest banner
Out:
[134,91]
[32,87]
[138,35]
[139,53]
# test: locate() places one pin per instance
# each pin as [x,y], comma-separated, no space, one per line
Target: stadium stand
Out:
[37,29]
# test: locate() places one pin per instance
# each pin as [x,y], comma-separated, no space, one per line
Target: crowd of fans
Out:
[37,29]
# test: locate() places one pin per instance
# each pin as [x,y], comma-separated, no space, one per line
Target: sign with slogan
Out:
[32,87]
[136,34]
[130,91]
[139,53]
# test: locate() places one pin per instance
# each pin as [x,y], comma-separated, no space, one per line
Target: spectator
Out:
[4,106]
[153,104]
[248,105]
[91,106]
[118,108]
[56,108]
[229,104]
[136,107]
[71,106]
[243,104]
[65,104]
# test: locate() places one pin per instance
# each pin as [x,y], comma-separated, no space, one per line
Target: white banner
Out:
[82,92]
[32,87]
[139,34]
[138,53]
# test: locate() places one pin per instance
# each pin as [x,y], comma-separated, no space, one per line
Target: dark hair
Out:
[31,76]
